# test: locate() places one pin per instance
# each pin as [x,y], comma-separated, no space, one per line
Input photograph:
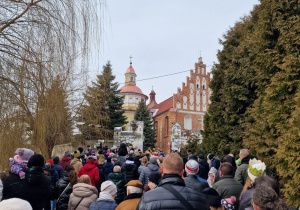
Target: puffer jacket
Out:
[66,160]
[63,193]
[119,179]
[59,170]
[192,182]
[123,150]
[76,163]
[141,167]
[107,169]
[160,198]
[105,202]
[146,172]
[35,188]
[83,194]
[130,170]
[203,169]
[92,171]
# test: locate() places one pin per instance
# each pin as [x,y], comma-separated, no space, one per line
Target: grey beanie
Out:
[108,187]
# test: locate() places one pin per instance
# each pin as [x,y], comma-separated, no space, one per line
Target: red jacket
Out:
[92,171]
[66,160]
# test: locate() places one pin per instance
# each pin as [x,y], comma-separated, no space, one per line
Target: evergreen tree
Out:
[142,114]
[103,109]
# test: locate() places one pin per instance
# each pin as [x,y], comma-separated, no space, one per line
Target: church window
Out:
[131,79]
[156,128]
[203,87]
[187,122]
[197,86]
[167,125]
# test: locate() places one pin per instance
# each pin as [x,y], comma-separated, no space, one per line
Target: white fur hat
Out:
[15,204]
[109,187]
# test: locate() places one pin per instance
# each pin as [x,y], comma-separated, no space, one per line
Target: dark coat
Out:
[107,169]
[59,170]
[160,198]
[101,177]
[103,204]
[63,193]
[203,169]
[35,188]
[130,170]
[119,179]
[192,182]
[246,201]
[151,168]
[54,178]
[123,150]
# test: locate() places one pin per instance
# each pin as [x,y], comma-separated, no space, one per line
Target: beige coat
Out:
[83,193]
[76,163]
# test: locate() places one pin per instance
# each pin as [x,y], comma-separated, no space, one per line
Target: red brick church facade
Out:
[187,107]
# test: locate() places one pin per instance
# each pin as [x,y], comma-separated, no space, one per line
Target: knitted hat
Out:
[67,153]
[51,162]
[47,166]
[36,160]
[153,160]
[15,204]
[108,187]
[228,202]
[56,160]
[77,155]
[90,160]
[212,197]
[256,168]
[135,183]
[154,177]
[192,167]
[24,153]
[93,152]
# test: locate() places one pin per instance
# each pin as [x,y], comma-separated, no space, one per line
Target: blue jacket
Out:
[103,204]
[59,170]
[107,169]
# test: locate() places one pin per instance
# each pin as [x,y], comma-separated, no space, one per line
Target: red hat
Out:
[51,162]
[90,160]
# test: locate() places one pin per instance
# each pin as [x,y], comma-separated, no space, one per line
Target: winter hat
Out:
[192,167]
[51,162]
[80,149]
[153,160]
[47,166]
[154,177]
[77,155]
[90,160]
[212,197]
[117,169]
[108,187]
[93,152]
[56,160]
[24,153]
[228,202]
[192,157]
[36,160]
[256,168]
[135,183]
[201,157]
[67,153]
[15,204]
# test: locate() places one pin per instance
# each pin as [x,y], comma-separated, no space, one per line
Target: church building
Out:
[183,113]
[132,96]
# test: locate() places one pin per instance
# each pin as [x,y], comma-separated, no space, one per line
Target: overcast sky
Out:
[164,37]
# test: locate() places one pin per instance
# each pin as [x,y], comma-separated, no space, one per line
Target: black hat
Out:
[56,160]
[80,149]
[108,159]
[154,177]
[36,160]
[201,156]
[212,197]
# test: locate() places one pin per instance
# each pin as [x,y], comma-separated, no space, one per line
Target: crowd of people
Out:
[126,178]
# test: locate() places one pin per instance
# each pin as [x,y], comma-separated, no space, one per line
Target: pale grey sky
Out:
[165,37]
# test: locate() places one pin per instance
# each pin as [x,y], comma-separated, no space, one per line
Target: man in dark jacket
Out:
[35,188]
[227,186]
[152,167]
[191,181]
[162,198]
[57,167]
[203,167]
[130,169]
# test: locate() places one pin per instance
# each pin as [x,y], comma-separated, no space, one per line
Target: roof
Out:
[129,88]
[130,70]
[164,106]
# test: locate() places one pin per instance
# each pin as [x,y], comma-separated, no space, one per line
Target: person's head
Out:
[200,157]
[56,160]
[85,179]
[117,169]
[90,160]
[144,160]
[173,164]
[77,155]
[80,149]
[3,175]
[265,198]
[109,187]
[69,168]
[188,152]
[153,160]
[67,153]
[36,160]
[225,169]
[192,167]
[101,159]
[267,181]
[134,186]
[88,146]
[73,177]
[47,168]
[230,160]
[153,180]
[213,199]
[108,159]
[15,204]
[244,153]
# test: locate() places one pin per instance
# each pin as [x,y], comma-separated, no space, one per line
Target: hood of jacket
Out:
[204,163]
[34,175]
[84,190]
[153,167]
[246,159]
[66,159]
[75,160]
[89,167]
[129,167]
[115,177]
